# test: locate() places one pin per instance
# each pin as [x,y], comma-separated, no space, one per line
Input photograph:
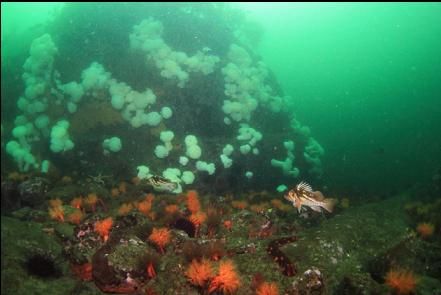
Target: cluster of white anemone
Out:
[37,76]
[248,137]
[174,65]
[287,165]
[32,123]
[312,154]
[245,87]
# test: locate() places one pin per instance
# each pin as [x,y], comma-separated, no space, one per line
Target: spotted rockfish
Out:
[303,195]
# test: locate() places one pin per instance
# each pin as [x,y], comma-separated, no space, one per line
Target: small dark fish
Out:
[303,195]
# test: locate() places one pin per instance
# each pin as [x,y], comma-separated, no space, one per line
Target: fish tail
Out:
[329,205]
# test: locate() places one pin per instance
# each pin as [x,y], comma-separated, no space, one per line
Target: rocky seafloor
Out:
[350,251]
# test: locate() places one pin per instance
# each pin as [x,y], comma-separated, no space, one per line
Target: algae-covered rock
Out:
[411,253]
[31,260]
[428,286]
[65,193]
[126,255]
[33,191]
[64,230]
[359,284]
[341,247]
[10,196]
[29,214]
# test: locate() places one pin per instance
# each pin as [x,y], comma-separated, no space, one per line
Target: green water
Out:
[366,78]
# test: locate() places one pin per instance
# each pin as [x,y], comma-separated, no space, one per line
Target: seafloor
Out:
[347,252]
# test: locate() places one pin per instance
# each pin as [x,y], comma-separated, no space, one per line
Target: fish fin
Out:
[318,195]
[328,204]
[299,208]
[297,203]
[304,186]
[288,197]
[316,208]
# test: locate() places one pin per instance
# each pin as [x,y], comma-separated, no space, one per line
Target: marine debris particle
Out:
[273,249]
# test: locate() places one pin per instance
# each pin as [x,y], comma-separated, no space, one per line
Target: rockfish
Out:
[303,195]
[162,184]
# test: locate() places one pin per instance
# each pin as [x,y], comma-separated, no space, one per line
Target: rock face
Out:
[346,253]
[344,245]
[360,284]
[10,196]
[33,191]
[34,263]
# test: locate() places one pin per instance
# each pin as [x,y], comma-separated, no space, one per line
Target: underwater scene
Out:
[221,148]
